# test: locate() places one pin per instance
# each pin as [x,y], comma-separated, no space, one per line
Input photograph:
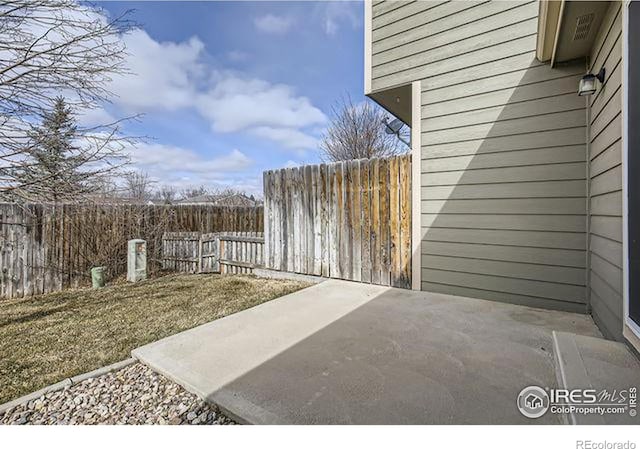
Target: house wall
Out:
[504,157]
[605,177]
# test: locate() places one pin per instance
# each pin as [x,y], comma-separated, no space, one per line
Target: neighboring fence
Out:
[227,252]
[46,248]
[348,220]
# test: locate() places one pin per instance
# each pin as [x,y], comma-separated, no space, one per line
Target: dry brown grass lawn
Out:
[45,339]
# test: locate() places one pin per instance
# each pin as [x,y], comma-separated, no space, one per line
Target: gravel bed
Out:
[132,395]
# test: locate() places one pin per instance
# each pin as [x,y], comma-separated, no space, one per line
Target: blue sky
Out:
[229,89]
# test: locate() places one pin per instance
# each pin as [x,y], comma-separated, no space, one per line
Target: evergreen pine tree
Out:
[53,172]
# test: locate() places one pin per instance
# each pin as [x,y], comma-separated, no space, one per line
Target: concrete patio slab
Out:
[348,353]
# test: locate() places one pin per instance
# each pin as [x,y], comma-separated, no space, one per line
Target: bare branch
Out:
[358,131]
[138,185]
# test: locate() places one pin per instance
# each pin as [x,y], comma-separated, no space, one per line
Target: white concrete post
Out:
[136,260]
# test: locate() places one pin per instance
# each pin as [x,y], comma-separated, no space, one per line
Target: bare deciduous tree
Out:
[192,192]
[227,196]
[138,185]
[50,48]
[167,194]
[106,188]
[358,131]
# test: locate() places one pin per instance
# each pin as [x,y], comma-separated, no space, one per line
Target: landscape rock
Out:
[132,395]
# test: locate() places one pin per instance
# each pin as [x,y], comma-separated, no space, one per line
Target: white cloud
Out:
[248,184]
[273,24]
[176,76]
[171,76]
[336,13]
[164,74]
[94,117]
[236,104]
[183,167]
[287,137]
[166,163]
[237,56]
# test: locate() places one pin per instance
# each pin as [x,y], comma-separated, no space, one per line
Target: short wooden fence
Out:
[228,252]
[347,220]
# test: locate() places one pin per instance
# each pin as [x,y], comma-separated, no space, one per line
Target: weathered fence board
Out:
[376,248]
[385,228]
[347,220]
[405,222]
[47,248]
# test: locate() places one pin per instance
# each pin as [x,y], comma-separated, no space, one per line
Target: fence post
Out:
[200,254]
[220,254]
[215,265]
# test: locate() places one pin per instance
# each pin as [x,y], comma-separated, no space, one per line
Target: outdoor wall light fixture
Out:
[588,83]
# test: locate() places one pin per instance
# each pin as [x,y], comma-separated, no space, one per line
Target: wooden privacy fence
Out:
[348,220]
[227,252]
[47,248]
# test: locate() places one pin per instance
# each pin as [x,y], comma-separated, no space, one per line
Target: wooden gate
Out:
[228,252]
